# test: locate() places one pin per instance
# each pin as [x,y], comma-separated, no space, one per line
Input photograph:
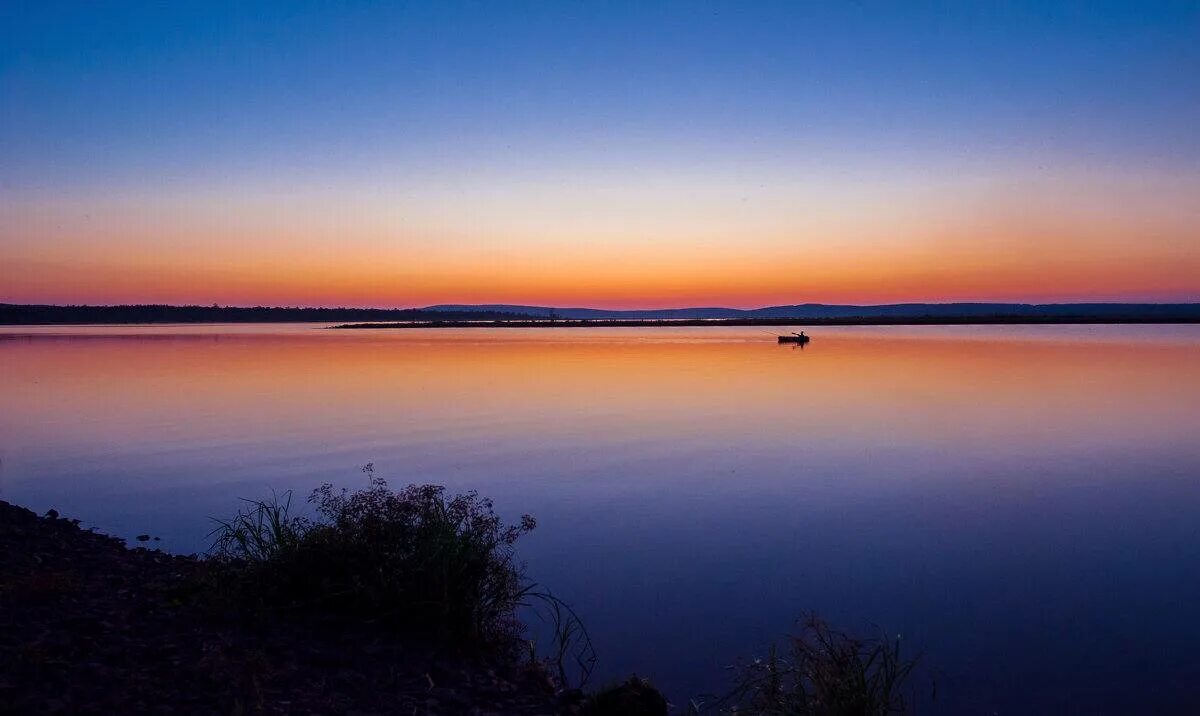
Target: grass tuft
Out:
[823,672]
[262,531]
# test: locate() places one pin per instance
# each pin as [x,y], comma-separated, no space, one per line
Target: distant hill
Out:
[1115,311]
[594,313]
[18,314]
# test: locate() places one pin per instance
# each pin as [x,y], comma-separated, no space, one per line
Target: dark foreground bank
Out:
[90,626]
[382,602]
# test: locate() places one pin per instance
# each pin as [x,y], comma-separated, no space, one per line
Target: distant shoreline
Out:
[800,322]
[515,316]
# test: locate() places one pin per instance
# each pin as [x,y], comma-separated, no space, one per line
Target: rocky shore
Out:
[88,625]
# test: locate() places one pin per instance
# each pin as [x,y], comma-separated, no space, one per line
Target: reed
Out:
[822,672]
[260,532]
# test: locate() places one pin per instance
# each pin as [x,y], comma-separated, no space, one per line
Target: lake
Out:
[1021,503]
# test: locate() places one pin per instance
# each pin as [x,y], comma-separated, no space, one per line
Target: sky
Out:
[609,154]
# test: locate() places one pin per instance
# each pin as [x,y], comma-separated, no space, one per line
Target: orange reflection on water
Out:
[736,387]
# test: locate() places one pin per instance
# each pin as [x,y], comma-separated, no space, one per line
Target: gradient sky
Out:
[607,154]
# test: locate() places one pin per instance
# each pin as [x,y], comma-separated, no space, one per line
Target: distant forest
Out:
[24,315]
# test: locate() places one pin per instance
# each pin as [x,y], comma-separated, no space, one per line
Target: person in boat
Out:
[800,335]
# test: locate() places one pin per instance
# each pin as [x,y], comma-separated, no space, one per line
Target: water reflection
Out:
[1018,500]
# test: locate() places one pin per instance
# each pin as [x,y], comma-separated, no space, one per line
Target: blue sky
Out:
[229,100]
[105,91]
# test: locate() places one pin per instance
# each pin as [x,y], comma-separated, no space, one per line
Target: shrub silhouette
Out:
[413,560]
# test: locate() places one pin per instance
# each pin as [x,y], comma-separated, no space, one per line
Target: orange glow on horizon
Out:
[995,245]
[640,280]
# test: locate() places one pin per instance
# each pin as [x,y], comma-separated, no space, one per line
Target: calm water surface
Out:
[1022,503]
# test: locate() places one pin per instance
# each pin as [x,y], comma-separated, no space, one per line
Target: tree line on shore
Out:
[22,315]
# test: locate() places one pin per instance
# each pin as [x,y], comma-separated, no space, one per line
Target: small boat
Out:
[795,338]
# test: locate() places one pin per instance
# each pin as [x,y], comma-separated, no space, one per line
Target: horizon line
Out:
[591,308]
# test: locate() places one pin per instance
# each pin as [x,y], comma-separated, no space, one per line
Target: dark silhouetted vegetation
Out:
[823,672]
[414,560]
[634,697]
[397,575]
[15,314]
[88,625]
